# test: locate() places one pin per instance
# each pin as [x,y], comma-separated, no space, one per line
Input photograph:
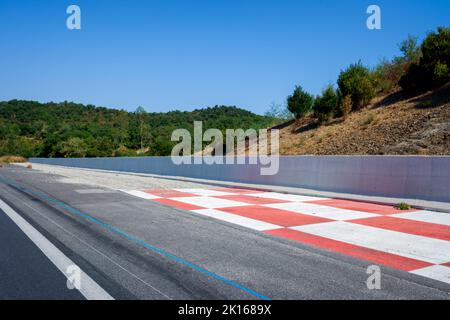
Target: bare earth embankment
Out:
[392,125]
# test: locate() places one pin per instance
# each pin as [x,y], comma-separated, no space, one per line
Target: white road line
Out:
[440,273]
[426,216]
[322,211]
[89,288]
[407,245]
[235,219]
[98,252]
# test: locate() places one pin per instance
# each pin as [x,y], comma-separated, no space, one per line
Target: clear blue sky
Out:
[167,55]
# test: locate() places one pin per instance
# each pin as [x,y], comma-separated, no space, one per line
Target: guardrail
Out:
[414,177]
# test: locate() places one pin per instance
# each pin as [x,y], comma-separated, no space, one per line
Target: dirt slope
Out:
[396,124]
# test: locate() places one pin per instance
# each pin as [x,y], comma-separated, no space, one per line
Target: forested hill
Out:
[30,128]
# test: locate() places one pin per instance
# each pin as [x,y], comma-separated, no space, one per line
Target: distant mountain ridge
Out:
[30,128]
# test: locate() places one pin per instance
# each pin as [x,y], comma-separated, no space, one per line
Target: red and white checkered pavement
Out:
[416,241]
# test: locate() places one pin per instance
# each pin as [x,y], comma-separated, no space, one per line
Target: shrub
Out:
[433,67]
[12,159]
[123,151]
[403,206]
[300,102]
[346,106]
[326,104]
[74,148]
[411,51]
[436,47]
[425,104]
[357,82]
[387,74]
[416,78]
[368,120]
[440,73]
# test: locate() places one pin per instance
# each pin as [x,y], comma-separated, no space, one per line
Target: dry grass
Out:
[12,159]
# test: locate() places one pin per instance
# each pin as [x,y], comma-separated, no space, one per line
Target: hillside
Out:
[394,124]
[29,128]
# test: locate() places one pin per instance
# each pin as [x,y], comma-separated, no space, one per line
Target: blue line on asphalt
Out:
[134,239]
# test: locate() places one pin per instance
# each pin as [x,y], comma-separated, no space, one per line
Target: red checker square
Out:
[168,193]
[418,228]
[178,204]
[251,200]
[275,216]
[359,206]
[374,256]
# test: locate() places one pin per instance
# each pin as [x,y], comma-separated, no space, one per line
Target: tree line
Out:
[33,129]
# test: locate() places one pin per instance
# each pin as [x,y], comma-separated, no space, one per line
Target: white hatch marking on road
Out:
[436,272]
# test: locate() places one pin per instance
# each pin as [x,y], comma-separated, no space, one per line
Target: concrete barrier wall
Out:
[416,177]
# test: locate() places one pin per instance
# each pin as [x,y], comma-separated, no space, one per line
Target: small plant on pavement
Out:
[403,206]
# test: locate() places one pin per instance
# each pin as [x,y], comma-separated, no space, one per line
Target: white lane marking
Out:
[439,273]
[242,221]
[322,211]
[206,192]
[98,252]
[284,196]
[89,288]
[210,203]
[426,216]
[407,245]
[143,195]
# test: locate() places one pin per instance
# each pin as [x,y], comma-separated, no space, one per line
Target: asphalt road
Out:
[136,249]
[25,272]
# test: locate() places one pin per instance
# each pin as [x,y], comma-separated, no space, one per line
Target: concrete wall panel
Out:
[426,178]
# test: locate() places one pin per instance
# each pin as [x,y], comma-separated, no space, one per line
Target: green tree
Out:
[74,148]
[30,128]
[300,102]
[436,49]
[433,67]
[357,82]
[141,115]
[410,49]
[326,104]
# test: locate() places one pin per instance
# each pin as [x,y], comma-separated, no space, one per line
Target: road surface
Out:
[132,248]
